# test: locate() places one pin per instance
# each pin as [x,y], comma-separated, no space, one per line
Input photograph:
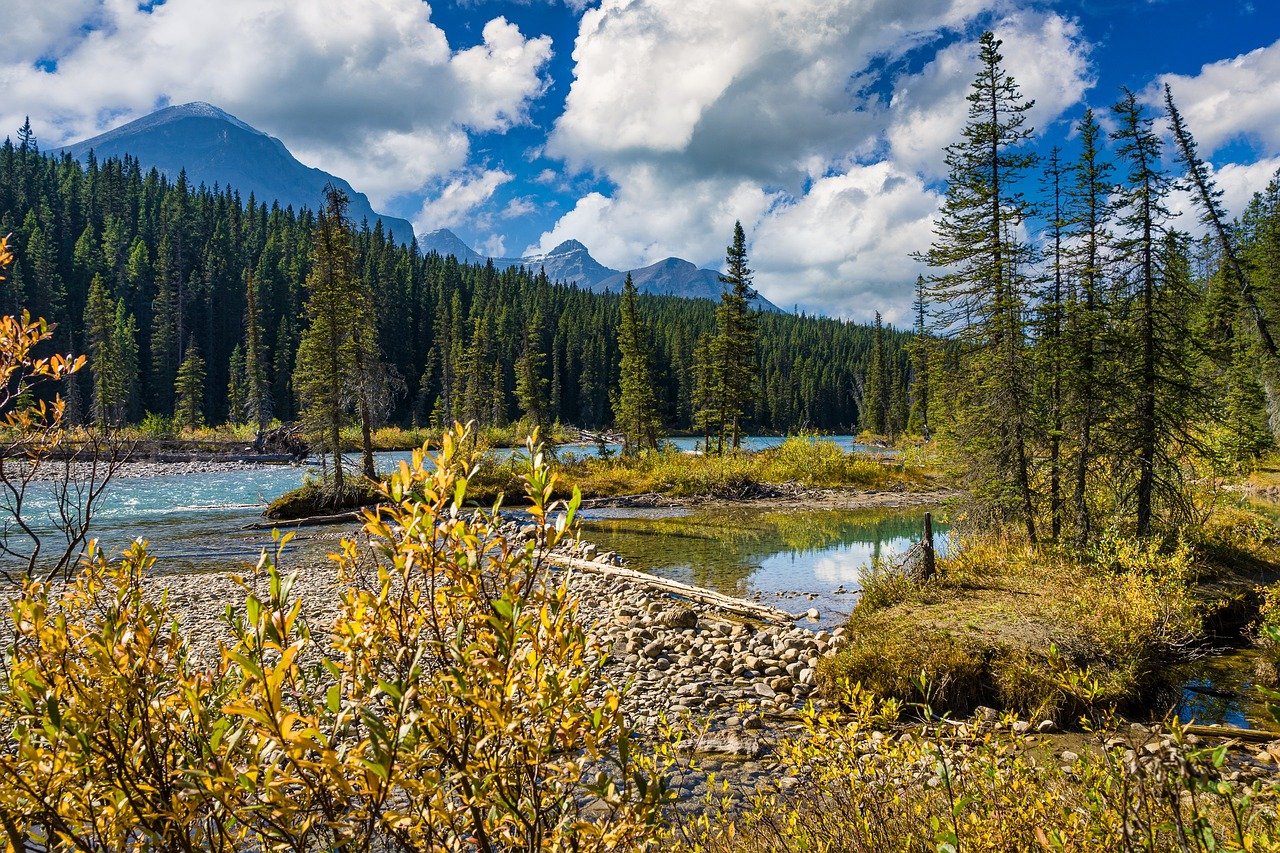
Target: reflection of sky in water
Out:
[760,553]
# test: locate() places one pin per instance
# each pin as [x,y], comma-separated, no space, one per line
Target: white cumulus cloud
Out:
[454,203]
[1231,99]
[369,91]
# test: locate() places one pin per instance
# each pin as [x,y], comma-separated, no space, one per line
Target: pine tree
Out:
[1090,208]
[100,326]
[982,290]
[896,410]
[237,396]
[875,387]
[1052,323]
[734,347]
[326,364]
[188,389]
[636,409]
[1142,221]
[703,396]
[531,385]
[257,402]
[918,421]
[164,349]
[125,356]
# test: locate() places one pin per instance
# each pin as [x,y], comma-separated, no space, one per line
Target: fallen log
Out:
[736,606]
[306,521]
[1231,732]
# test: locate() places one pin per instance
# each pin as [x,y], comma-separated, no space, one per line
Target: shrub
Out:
[955,788]
[457,702]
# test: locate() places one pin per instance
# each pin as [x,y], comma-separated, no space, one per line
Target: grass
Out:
[317,497]
[798,461]
[1048,632]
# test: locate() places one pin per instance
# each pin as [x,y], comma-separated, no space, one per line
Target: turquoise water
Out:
[199,521]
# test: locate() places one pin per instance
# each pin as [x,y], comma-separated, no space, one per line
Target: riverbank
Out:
[1048,632]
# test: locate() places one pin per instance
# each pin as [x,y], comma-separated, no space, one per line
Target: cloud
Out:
[370,91]
[454,203]
[1230,99]
[519,207]
[1044,52]
[765,112]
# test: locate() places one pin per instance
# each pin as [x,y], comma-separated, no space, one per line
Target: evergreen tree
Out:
[1052,360]
[918,421]
[982,290]
[326,364]
[1142,217]
[257,402]
[704,398]
[125,357]
[189,390]
[1090,209]
[531,385]
[104,333]
[237,396]
[734,347]
[875,387]
[636,409]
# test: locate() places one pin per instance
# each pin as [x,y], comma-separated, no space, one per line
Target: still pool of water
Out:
[752,552]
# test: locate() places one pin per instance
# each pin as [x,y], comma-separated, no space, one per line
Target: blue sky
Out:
[644,128]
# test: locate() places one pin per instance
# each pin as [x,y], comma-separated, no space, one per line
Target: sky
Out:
[646,128]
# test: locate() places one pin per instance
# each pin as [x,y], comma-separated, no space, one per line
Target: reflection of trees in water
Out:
[722,549]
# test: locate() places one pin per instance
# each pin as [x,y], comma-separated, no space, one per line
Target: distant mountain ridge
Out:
[572,262]
[215,147]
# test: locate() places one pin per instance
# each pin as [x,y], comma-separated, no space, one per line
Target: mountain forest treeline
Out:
[190,303]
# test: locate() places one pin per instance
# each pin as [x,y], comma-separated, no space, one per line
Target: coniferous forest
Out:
[185,297]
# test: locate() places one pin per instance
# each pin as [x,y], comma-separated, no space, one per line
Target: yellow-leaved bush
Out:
[457,703]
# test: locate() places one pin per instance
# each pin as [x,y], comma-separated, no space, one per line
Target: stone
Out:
[986,714]
[1021,727]
[676,617]
[781,684]
[812,614]
[764,690]
[1069,757]
[654,649]
[1046,726]
[734,744]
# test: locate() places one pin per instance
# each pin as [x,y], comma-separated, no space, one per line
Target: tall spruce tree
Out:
[1051,349]
[531,384]
[921,351]
[237,398]
[1143,215]
[734,347]
[1090,210]
[189,390]
[636,409]
[875,387]
[327,352]
[257,396]
[981,289]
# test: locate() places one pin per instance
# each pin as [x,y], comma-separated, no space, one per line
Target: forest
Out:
[178,269]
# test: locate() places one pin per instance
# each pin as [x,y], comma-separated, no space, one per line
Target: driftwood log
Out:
[1233,733]
[736,606]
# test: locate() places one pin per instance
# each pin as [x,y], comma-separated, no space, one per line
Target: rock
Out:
[730,743]
[764,690]
[1069,757]
[781,684]
[654,649]
[1021,727]
[987,715]
[752,723]
[676,617]
[813,614]
[1046,726]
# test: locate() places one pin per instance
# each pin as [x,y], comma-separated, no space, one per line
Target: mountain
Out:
[217,148]
[672,275]
[572,262]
